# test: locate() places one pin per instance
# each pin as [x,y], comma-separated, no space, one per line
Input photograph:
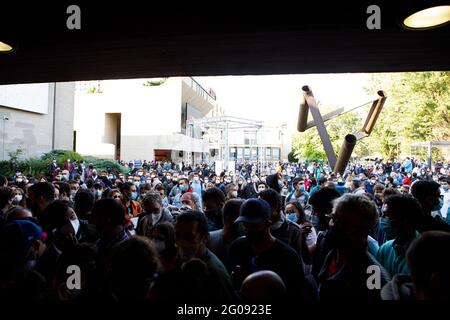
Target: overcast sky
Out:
[277,97]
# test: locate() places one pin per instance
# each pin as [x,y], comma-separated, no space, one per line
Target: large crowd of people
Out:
[256,232]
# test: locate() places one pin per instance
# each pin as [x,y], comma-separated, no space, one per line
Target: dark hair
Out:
[404,207]
[425,257]
[272,182]
[297,206]
[43,189]
[135,254]
[183,179]
[168,231]
[195,216]
[422,189]
[356,183]
[390,179]
[232,207]
[6,195]
[296,181]
[89,183]
[324,197]
[54,215]
[109,209]
[229,187]
[213,194]
[126,186]
[3,181]
[83,203]
[322,180]
[152,197]
[64,188]
[390,191]
[272,197]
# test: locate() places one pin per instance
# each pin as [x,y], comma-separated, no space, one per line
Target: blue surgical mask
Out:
[182,188]
[133,196]
[280,184]
[292,217]
[438,206]
[301,189]
[98,193]
[314,220]
[445,187]
[386,226]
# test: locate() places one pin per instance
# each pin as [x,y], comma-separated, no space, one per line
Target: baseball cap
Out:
[23,231]
[254,211]
[99,183]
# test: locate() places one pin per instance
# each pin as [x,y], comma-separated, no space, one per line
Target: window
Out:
[254,153]
[276,153]
[233,153]
[240,153]
[247,152]
[268,153]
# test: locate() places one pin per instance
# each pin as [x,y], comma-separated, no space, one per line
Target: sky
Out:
[277,97]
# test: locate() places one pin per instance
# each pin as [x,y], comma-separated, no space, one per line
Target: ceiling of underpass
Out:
[130,40]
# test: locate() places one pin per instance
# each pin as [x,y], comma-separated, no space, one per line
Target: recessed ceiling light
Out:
[428,18]
[5,47]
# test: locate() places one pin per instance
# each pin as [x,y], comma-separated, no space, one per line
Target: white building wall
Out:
[150,119]
[37,122]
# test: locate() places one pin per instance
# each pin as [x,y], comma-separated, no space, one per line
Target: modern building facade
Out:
[240,140]
[142,119]
[36,117]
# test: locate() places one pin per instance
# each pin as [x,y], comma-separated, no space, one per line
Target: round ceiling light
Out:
[428,18]
[5,47]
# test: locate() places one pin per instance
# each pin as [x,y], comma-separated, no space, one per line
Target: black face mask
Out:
[336,238]
[255,237]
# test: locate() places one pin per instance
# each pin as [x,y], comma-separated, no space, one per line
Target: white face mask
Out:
[261,189]
[75,225]
[234,194]
[18,197]
[156,217]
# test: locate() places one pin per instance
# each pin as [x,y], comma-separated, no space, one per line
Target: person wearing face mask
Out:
[21,246]
[260,187]
[284,229]
[175,189]
[340,277]
[398,222]
[213,203]
[129,197]
[198,273]
[64,230]
[153,214]
[98,190]
[429,195]
[220,240]
[19,199]
[162,237]
[260,250]
[299,193]
[295,213]
[231,191]
[197,187]
[183,187]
